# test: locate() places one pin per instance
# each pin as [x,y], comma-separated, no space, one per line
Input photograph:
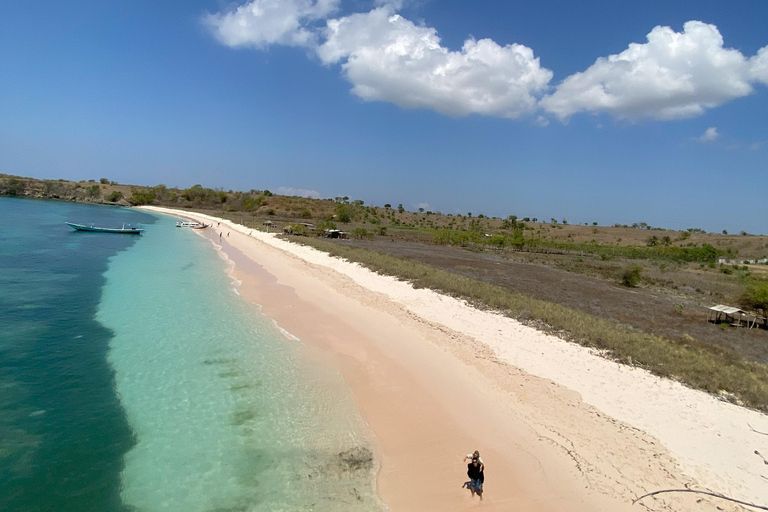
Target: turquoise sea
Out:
[134,378]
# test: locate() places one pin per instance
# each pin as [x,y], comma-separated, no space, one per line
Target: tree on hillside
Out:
[510,222]
[343,214]
[115,196]
[139,197]
[755,297]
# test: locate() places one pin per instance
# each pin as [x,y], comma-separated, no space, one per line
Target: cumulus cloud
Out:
[709,135]
[674,75]
[389,58]
[394,4]
[298,192]
[263,22]
[759,66]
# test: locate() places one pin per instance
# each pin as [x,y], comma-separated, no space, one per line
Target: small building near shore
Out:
[731,315]
[335,233]
[307,225]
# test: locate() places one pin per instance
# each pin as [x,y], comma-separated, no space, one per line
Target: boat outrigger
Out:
[128,230]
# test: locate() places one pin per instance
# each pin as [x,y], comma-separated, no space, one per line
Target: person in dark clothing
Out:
[476,474]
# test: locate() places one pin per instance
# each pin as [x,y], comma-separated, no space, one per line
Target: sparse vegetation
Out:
[139,197]
[694,363]
[631,277]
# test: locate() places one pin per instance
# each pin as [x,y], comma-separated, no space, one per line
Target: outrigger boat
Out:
[190,224]
[129,230]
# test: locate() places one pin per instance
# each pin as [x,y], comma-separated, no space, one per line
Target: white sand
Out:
[710,439]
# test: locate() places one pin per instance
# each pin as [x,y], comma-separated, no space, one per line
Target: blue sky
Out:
[485,107]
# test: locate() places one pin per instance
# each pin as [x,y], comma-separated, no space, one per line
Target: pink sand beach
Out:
[559,427]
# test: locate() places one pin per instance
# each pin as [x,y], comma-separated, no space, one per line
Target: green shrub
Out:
[138,198]
[251,203]
[343,214]
[299,229]
[631,276]
[755,297]
[115,196]
[362,233]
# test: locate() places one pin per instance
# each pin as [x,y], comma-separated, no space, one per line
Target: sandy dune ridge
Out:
[560,427]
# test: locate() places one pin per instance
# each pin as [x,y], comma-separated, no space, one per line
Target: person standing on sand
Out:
[475,472]
[475,455]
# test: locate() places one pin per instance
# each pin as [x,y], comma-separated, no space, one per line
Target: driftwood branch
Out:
[713,494]
[753,430]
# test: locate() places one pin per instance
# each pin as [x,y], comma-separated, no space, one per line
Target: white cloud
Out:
[759,65]
[299,192]
[263,22]
[394,4]
[709,135]
[674,75]
[423,205]
[389,58]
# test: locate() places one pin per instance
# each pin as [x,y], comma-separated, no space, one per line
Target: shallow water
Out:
[133,377]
